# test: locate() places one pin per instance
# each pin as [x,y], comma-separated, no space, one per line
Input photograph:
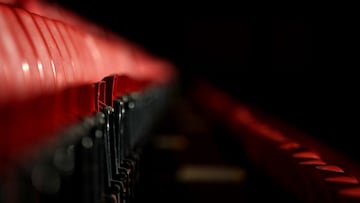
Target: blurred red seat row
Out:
[300,163]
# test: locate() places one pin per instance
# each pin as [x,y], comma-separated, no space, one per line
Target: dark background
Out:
[298,66]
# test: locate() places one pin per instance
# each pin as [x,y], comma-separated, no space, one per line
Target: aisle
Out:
[190,159]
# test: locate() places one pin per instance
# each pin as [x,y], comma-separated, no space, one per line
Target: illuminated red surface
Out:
[331,168]
[315,162]
[290,146]
[342,179]
[40,55]
[351,192]
[306,155]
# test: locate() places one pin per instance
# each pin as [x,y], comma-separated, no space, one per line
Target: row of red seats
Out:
[311,171]
[56,68]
